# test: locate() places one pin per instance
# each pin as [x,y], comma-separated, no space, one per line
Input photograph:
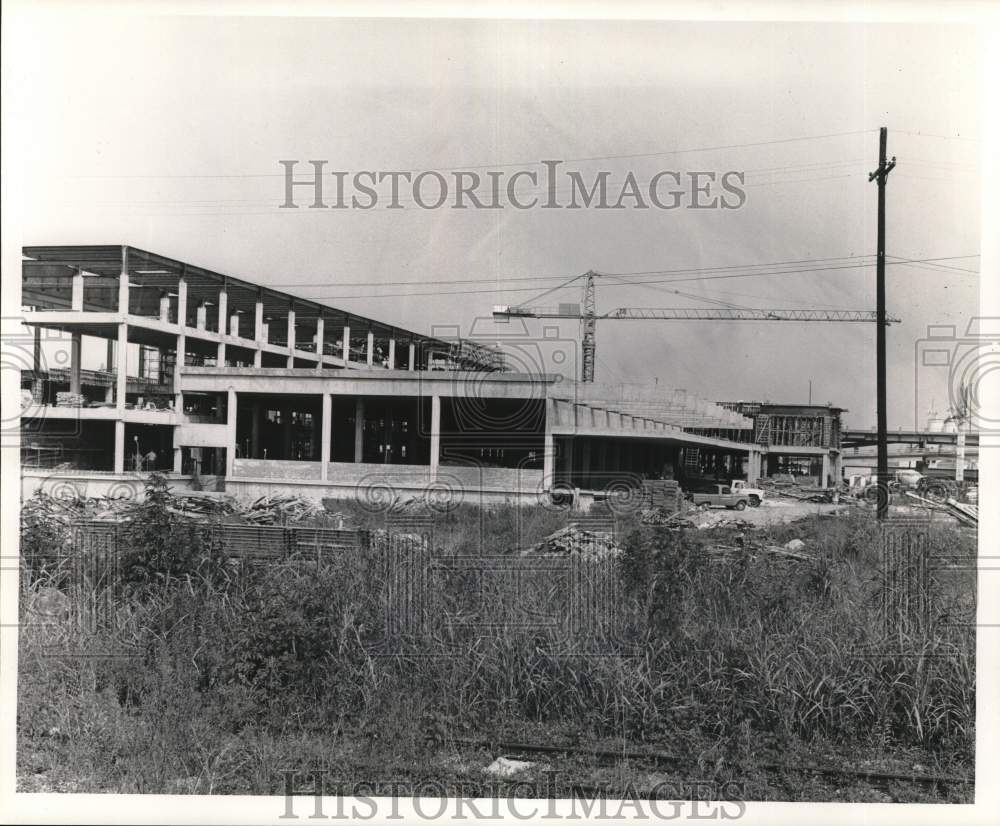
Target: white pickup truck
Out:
[754,495]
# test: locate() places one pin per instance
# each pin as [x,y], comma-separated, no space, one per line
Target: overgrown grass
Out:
[228,675]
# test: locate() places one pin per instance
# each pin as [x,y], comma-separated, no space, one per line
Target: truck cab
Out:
[754,495]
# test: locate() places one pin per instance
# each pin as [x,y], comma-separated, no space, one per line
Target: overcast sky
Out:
[165,133]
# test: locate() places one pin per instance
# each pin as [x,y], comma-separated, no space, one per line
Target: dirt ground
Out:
[776,511]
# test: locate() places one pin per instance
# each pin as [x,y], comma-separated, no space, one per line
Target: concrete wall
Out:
[91,483]
[276,469]
[496,479]
[377,496]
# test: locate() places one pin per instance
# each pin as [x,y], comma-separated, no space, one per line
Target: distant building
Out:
[799,439]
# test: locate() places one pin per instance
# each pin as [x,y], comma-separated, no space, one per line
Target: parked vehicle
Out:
[722,496]
[754,495]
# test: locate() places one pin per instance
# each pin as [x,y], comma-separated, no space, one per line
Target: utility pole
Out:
[881,175]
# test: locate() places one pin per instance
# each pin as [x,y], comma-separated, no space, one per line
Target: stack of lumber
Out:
[664,494]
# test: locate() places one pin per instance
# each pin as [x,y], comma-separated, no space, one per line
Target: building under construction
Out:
[136,362]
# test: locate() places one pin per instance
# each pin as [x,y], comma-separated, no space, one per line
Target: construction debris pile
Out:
[785,485]
[752,551]
[69,400]
[65,511]
[964,514]
[576,540]
[697,519]
[274,510]
[267,510]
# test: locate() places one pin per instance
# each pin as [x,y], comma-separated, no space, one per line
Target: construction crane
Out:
[588,316]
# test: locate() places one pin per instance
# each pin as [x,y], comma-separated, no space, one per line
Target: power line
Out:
[637,283]
[461,167]
[563,275]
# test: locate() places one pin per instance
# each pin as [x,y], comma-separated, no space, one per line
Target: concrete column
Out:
[123,283]
[234,325]
[77,301]
[826,471]
[290,328]
[435,436]
[346,346]
[548,461]
[201,316]
[838,468]
[320,333]
[121,352]
[371,349]
[753,466]
[359,430]
[960,453]
[230,431]
[109,361]
[324,439]
[182,303]
[178,459]
[178,367]
[76,342]
[412,365]
[165,308]
[258,358]
[120,446]
[258,322]
[392,354]
[223,311]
